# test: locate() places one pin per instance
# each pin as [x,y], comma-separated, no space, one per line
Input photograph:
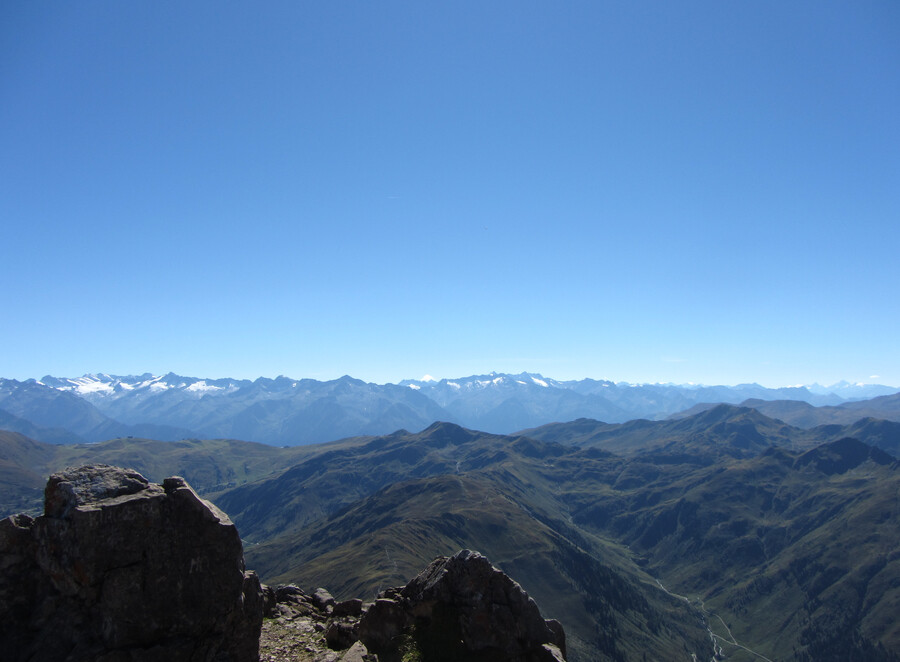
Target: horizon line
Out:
[429,378]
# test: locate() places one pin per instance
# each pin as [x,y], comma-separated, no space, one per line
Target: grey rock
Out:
[122,570]
[559,635]
[340,635]
[90,486]
[270,603]
[392,593]
[461,606]
[382,624]
[358,653]
[352,607]
[322,599]
[290,593]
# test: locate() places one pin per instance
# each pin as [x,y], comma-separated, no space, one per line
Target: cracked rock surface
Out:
[120,569]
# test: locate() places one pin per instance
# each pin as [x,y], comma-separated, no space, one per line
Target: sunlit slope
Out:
[210,465]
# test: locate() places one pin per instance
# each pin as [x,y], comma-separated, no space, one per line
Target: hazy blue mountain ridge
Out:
[285,411]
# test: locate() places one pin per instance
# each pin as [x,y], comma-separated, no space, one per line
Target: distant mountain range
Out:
[285,411]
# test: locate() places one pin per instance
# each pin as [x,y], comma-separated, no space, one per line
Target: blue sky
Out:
[638,191]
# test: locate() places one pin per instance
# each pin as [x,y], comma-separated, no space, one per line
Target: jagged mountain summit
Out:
[286,411]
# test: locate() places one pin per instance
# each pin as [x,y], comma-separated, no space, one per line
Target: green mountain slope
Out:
[805,415]
[22,475]
[210,465]
[611,610]
[795,551]
[736,431]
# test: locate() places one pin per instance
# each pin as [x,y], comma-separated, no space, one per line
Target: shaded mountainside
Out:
[879,433]
[724,429]
[24,466]
[62,417]
[796,551]
[745,431]
[12,423]
[805,415]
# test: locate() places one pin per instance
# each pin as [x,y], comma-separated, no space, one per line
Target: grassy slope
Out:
[610,610]
[786,553]
[22,475]
[209,465]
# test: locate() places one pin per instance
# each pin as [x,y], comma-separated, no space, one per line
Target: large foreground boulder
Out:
[122,570]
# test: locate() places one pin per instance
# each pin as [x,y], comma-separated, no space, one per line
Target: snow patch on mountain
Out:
[90,384]
[203,387]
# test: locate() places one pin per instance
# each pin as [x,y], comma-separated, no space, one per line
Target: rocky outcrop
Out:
[461,607]
[458,608]
[122,570]
[301,627]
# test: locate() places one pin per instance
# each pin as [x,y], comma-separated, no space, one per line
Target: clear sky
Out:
[639,191]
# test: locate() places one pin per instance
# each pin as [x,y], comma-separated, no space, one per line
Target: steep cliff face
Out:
[119,569]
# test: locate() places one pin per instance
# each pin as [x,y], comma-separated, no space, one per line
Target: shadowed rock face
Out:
[463,606]
[119,569]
